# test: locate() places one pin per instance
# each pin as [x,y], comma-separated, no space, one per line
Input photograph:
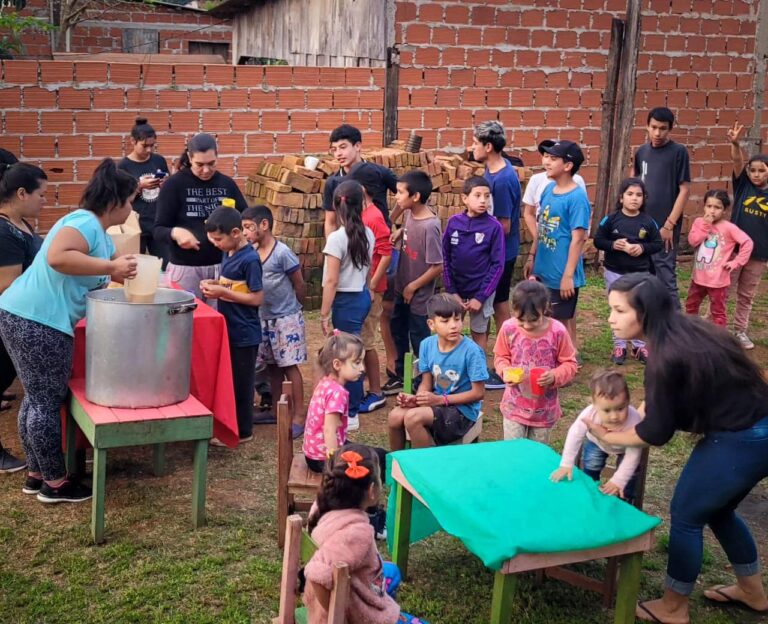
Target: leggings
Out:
[43,360]
[721,471]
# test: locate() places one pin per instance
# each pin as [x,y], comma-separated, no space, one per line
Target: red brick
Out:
[90,122]
[483,16]
[230,143]
[91,72]
[448,97]
[511,118]
[185,121]
[246,121]
[10,98]
[486,78]
[316,142]
[291,98]
[590,98]
[557,19]
[431,13]
[494,36]
[124,73]
[436,77]
[20,72]
[306,76]
[472,98]
[579,119]
[233,98]
[38,146]
[107,145]
[203,99]
[558,80]
[371,99]
[462,77]
[498,97]
[279,75]
[417,34]
[454,56]
[12,144]
[542,39]
[224,75]
[74,98]
[140,98]
[260,143]
[456,15]
[59,170]
[357,77]
[23,122]
[157,75]
[319,99]
[69,146]
[246,165]
[168,99]
[503,59]
[409,118]
[547,98]
[346,98]
[52,122]
[507,18]
[512,78]
[521,97]
[470,36]
[526,58]
[173,144]
[531,17]
[478,58]
[189,75]
[424,97]
[218,121]
[452,138]
[289,143]
[405,12]
[534,79]
[69,194]
[460,118]
[274,121]
[329,120]
[442,35]
[301,120]
[436,118]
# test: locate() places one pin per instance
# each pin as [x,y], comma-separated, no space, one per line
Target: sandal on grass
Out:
[721,597]
[645,614]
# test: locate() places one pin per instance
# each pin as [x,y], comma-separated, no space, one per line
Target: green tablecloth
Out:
[496,497]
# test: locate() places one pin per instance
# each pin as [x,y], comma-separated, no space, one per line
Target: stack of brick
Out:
[294,194]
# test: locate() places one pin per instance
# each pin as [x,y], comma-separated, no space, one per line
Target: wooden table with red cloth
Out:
[211,377]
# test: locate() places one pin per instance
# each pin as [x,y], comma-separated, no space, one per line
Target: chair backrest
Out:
[299,548]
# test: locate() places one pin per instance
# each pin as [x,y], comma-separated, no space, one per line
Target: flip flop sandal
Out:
[718,589]
[651,614]
[264,418]
[5,405]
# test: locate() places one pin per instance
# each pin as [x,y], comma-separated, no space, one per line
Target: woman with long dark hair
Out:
[699,380]
[151,170]
[346,298]
[22,196]
[38,314]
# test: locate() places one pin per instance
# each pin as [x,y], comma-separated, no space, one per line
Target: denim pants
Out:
[593,460]
[665,265]
[348,314]
[722,469]
[406,328]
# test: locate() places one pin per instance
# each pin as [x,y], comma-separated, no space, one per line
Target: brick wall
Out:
[540,68]
[69,116]
[175,28]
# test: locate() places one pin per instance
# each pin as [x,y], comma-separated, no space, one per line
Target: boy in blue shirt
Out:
[239,293]
[453,373]
[562,229]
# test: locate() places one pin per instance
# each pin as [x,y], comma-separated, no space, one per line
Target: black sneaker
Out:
[67,492]
[494,382]
[393,386]
[32,485]
[9,463]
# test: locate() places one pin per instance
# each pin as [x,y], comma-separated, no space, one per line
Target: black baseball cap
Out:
[567,150]
[545,144]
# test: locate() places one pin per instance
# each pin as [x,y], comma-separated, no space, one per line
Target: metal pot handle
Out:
[185,308]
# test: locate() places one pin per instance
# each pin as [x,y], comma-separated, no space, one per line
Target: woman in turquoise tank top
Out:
[38,313]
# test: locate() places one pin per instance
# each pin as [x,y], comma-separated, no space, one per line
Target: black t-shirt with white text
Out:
[186,201]
[146,200]
[750,213]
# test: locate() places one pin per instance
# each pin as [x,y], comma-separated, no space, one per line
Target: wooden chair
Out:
[296,484]
[606,586]
[471,436]
[299,549]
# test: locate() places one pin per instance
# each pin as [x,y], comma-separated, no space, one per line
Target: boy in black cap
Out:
[562,229]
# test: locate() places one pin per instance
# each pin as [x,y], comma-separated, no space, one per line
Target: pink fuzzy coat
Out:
[347,536]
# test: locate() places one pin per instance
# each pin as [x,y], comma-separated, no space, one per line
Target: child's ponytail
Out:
[348,204]
[108,189]
[347,477]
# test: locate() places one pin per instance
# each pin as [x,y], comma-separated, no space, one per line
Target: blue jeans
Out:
[593,460]
[348,314]
[406,327]
[722,469]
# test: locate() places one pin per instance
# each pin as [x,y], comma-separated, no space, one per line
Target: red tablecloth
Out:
[211,378]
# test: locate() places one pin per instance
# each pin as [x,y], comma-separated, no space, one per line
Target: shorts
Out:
[449,424]
[283,341]
[372,322]
[389,294]
[478,321]
[563,309]
[514,430]
[505,283]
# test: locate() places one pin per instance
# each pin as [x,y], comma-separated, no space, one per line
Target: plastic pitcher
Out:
[143,287]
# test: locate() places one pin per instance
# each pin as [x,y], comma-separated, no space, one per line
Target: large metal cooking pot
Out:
[138,354]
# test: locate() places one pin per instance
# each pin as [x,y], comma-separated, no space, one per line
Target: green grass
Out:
[155,568]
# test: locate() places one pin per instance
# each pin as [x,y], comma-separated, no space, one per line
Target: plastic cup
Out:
[310,162]
[536,373]
[142,288]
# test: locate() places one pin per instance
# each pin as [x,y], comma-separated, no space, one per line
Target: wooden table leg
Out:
[158,459]
[503,595]
[99,479]
[402,528]
[200,469]
[629,586]
[70,450]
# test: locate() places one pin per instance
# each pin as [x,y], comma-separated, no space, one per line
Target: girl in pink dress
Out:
[535,356]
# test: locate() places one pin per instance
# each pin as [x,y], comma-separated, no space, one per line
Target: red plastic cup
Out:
[536,373]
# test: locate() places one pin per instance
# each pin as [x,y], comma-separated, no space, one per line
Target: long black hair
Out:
[699,354]
[625,184]
[338,490]
[348,204]
[19,175]
[108,189]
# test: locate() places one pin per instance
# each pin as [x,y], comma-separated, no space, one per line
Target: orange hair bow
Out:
[354,470]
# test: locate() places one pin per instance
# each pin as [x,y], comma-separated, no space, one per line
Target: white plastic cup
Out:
[310,162]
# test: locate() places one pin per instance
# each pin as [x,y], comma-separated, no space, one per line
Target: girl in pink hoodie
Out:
[340,526]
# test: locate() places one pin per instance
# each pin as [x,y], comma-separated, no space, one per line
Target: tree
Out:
[12,25]
[66,14]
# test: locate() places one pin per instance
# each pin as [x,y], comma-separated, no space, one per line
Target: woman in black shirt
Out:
[699,380]
[22,195]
